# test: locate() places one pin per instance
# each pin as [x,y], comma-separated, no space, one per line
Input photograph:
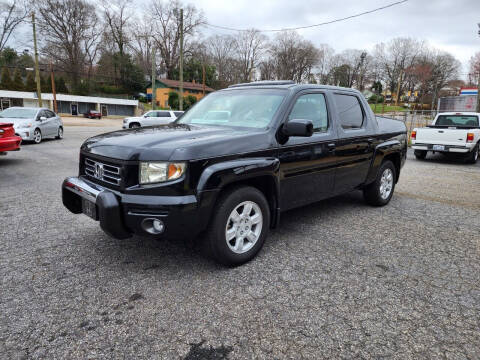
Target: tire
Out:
[255,226]
[134,126]
[420,154]
[473,156]
[381,190]
[59,133]
[37,136]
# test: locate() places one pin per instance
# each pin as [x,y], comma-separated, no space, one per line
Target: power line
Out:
[315,25]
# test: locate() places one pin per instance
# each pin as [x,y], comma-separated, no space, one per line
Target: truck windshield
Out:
[457,120]
[236,108]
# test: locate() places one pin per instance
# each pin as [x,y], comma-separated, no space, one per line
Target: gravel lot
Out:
[338,279]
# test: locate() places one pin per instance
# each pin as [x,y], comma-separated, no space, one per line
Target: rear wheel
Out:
[37,136]
[473,156]
[420,154]
[381,190]
[239,226]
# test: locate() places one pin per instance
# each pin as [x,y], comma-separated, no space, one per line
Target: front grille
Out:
[105,172]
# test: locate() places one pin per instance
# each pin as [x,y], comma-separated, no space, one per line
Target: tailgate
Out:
[445,136]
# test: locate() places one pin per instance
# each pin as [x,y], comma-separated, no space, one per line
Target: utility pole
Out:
[203,79]
[37,71]
[181,61]
[398,87]
[154,76]
[53,88]
[478,87]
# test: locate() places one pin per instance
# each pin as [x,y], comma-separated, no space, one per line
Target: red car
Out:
[8,140]
[93,114]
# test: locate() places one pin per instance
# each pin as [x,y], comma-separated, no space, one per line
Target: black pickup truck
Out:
[231,164]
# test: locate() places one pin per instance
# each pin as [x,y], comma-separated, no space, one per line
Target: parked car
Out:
[450,133]
[33,124]
[153,117]
[278,146]
[93,114]
[8,140]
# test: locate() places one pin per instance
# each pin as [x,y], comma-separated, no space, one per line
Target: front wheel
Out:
[473,156]
[59,133]
[37,136]
[420,154]
[239,226]
[381,190]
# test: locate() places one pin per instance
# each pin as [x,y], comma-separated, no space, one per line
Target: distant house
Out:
[164,86]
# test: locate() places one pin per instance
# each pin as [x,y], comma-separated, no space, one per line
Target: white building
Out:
[70,104]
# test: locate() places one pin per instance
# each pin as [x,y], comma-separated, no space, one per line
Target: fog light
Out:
[153,226]
[158,225]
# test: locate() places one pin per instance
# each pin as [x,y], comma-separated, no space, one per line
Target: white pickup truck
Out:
[450,132]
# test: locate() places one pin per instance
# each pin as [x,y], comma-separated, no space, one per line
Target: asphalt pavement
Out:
[338,279]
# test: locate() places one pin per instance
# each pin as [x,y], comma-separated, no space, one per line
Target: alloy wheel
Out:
[244,226]
[386,183]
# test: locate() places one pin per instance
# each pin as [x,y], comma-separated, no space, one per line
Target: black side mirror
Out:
[298,127]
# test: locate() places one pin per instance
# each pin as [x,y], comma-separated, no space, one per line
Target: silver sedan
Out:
[33,124]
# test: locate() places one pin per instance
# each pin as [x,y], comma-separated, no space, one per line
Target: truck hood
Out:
[176,142]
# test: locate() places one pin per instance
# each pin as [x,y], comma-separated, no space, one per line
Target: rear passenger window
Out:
[350,111]
[163,114]
[311,107]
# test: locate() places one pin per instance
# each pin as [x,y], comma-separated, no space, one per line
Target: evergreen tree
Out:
[60,86]
[6,80]
[31,85]
[17,81]
[46,84]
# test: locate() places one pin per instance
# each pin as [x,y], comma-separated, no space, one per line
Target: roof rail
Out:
[266,82]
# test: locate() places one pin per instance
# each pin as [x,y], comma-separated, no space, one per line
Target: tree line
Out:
[109,49]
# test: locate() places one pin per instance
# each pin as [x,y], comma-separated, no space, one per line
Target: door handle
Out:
[331,147]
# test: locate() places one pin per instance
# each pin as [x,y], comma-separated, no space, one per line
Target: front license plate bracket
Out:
[90,209]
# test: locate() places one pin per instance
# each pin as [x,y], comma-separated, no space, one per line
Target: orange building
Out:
[164,86]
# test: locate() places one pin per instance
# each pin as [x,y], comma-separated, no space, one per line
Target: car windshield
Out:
[457,120]
[18,113]
[236,108]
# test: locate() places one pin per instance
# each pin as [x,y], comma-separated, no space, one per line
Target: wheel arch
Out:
[260,173]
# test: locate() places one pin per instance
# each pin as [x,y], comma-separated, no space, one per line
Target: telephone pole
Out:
[181,61]
[203,79]
[154,76]
[398,88]
[478,87]
[52,78]
[37,71]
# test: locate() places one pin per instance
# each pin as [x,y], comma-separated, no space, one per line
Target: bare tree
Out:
[324,64]
[12,13]
[116,14]
[70,30]
[396,56]
[294,57]
[474,69]
[249,46]
[165,21]
[221,50]
[141,45]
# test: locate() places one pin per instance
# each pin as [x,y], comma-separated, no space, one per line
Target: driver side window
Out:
[311,107]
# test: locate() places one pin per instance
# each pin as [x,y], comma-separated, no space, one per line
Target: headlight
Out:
[154,172]
[24,126]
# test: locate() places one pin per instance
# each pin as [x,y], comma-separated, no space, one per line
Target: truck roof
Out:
[459,113]
[288,84]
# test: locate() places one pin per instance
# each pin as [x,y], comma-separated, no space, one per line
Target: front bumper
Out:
[10,143]
[25,133]
[122,215]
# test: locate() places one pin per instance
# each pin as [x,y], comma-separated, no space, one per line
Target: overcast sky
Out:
[450,25]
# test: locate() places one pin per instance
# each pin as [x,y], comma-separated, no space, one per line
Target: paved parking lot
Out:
[338,279]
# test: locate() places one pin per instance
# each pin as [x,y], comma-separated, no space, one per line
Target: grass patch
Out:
[386,108]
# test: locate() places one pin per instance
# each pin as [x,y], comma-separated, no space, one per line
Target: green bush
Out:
[375,98]
[189,101]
